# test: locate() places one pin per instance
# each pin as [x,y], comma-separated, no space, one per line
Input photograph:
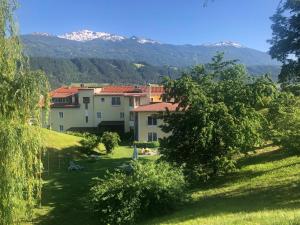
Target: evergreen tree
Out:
[20,139]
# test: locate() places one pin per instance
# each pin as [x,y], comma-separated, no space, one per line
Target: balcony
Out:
[64,105]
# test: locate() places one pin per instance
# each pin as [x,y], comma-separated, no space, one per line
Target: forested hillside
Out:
[63,71]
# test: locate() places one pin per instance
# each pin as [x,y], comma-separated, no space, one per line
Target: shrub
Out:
[154,144]
[151,189]
[90,142]
[110,141]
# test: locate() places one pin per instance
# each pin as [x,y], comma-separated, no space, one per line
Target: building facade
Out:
[80,107]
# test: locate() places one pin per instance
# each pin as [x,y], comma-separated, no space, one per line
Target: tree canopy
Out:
[20,141]
[286,40]
[218,116]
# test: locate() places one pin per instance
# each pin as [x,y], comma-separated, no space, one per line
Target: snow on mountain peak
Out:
[41,34]
[226,44]
[88,35]
[146,41]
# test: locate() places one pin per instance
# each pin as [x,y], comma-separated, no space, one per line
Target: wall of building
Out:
[144,128]
[108,111]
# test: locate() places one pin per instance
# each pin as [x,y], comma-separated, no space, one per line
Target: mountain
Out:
[63,71]
[90,44]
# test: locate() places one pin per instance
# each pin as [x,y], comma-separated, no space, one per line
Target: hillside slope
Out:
[132,49]
[265,191]
[63,71]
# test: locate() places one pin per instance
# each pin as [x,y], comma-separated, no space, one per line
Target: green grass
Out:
[64,192]
[266,190]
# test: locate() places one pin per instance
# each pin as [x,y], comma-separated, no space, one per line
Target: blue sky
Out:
[168,21]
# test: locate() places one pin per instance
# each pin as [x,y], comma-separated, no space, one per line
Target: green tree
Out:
[286,40]
[217,117]
[110,140]
[20,142]
[90,142]
[284,115]
[150,189]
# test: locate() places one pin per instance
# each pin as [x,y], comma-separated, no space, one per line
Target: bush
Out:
[110,141]
[151,189]
[154,144]
[78,134]
[90,142]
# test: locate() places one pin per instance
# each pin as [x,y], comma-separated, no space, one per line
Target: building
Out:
[147,124]
[81,107]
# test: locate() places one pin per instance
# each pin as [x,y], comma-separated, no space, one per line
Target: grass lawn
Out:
[64,192]
[266,190]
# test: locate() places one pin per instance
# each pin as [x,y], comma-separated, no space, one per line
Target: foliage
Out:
[217,117]
[62,71]
[152,189]
[110,141]
[20,143]
[285,41]
[153,144]
[90,142]
[284,115]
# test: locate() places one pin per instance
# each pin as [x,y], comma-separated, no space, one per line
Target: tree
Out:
[20,142]
[110,140]
[151,189]
[217,117]
[90,142]
[284,115]
[286,40]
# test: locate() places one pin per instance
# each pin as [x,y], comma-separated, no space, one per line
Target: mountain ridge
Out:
[104,45]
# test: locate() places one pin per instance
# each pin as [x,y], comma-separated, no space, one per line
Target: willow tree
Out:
[20,136]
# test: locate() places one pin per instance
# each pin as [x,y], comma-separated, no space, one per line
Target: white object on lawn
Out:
[74,166]
[135,153]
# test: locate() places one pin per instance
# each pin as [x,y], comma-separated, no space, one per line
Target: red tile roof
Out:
[127,89]
[117,89]
[63,92]
[157,107]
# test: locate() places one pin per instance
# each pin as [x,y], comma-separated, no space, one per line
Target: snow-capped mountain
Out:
[225,44]
[42,34]
[90,44]
[88,35]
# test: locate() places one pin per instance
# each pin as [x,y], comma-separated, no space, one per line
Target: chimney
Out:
[149,92]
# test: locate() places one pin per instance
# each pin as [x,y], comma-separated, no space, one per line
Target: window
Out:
[115,101]
[131,116]
[86,99]
[61,128]
[102,99]
[131,101]
[152,121]
[99,116]
[137,101]
[86,119]
[121,115]
[61,114]
[152,136]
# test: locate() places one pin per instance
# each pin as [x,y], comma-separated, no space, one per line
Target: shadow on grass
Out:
[64,192]
[240,200]
[280,197]
[269,156]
